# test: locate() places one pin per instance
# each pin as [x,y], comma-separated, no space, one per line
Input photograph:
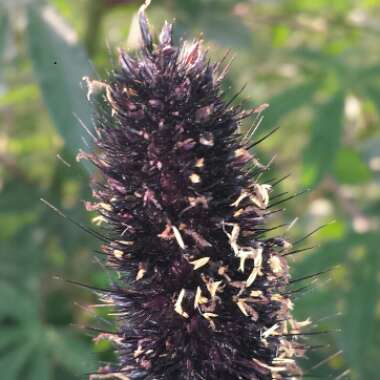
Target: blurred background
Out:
[316,62]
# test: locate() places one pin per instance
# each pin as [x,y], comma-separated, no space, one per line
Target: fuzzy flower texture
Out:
[202,293]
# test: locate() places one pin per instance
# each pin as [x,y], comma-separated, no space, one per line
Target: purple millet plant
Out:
[202,292]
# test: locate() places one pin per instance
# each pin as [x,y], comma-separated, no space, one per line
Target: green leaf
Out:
[328,256]
[367,74]
[19,95]
[70,351]
[349,168]
[215,25]
[60,63]
[12,363]
[361,321]
[3,29]
[39,367]
[280,35]
[374,94]
[226,31]
[355,285]
[16,303]
[18,344]
[321,59]
[10,336]
[324,142]
[333,231]
[288,101]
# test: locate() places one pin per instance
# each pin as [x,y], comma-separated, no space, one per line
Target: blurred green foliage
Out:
[316,62]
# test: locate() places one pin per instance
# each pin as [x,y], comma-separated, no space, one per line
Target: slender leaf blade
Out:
[10,336]
[16,303]
[3,31]
[12,362]
[288,101]
[324,143]
[71,352]
[40,365]
[360,322]
[60,63]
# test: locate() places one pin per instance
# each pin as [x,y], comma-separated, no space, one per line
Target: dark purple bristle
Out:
[202,293]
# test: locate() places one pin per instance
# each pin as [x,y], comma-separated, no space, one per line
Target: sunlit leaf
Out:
[333,231]
[280,35]
[19,95]
[350,168]
[60,63]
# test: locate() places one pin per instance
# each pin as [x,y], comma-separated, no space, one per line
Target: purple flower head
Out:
[202,292]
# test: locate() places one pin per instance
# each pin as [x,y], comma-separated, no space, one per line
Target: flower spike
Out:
[202,293]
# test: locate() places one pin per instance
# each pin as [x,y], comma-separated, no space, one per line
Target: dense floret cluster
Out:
[202,292]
